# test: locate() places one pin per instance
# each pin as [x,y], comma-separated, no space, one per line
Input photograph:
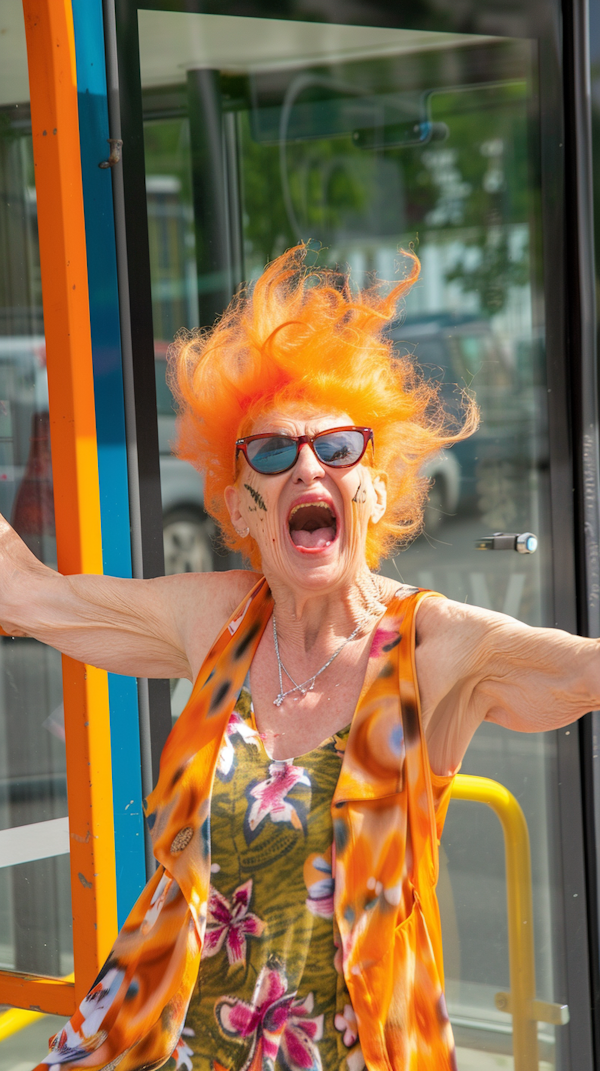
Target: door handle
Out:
[522,542]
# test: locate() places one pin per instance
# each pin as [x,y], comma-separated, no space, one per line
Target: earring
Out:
[243,533]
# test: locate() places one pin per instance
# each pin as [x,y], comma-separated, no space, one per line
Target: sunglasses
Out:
[339,448]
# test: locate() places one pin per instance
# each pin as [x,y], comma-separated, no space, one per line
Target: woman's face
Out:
[310,523]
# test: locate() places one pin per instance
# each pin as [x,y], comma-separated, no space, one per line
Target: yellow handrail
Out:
[520,1002]
[16,1019]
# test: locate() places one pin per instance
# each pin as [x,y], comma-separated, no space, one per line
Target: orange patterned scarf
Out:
[385,872]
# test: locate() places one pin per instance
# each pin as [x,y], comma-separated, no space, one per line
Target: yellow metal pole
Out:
[520,910]
[16,1019]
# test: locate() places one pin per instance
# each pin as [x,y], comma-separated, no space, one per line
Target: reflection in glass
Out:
[261,133]
[35,909]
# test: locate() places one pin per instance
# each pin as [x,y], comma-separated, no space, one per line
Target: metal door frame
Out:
[582,327]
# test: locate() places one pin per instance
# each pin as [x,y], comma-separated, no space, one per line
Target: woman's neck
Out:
[306,621]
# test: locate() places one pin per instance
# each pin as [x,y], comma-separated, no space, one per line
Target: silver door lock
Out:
[523,543]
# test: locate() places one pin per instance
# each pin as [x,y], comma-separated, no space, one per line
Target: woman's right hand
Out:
[143,628]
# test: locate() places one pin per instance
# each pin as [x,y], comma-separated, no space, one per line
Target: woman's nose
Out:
[308,467]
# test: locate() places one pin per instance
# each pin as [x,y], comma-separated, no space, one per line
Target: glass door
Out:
[249,134]
[35,903]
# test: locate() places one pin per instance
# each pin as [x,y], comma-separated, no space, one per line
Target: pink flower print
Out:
[229,923]
[298,1049]
[271,1019]
[235,725]
[347,1025]
[384,641]
[269,796]
[319,883]
[262,1020]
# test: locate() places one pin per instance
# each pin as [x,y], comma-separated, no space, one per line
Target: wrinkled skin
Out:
[320,595]
[358,497]
[472,664]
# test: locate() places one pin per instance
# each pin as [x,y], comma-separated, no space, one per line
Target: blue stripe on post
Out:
[110,424]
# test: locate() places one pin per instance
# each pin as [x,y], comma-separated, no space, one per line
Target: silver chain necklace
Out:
[307,685]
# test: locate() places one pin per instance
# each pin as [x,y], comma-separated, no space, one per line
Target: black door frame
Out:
[582,350]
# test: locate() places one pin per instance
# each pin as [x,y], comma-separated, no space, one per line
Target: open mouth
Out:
[312,525]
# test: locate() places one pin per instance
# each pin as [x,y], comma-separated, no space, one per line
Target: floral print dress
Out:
[270,993]
[270,1007]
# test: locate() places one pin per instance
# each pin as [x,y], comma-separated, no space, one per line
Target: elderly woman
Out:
[292,921]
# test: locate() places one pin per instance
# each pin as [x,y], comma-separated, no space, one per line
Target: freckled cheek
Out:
[267,534]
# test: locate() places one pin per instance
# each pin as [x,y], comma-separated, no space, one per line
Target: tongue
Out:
[320,537]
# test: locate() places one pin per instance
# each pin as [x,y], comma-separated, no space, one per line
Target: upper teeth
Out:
[304,505]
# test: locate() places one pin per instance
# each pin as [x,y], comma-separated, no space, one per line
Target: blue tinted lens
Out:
[274,454]
[339,447]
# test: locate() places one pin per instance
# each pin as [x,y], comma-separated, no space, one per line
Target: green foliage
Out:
[167,151]
[472,184]
[493,275]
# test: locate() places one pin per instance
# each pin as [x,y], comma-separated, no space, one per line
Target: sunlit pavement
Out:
[24,1050]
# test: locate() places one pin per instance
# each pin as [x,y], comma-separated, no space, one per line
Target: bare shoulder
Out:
[457,643]
[391,589]
[201,604]
[438,618]
[475,665]
[460,625]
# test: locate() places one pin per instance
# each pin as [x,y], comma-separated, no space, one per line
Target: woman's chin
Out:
[302,567]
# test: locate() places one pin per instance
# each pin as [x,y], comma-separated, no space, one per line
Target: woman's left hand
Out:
[475,665]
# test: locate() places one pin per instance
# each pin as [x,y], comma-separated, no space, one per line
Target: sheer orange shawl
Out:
[386,860]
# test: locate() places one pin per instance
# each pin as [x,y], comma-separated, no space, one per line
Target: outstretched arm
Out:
[475,665]
[144,628]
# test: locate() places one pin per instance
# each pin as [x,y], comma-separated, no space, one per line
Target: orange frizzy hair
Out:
[301,339]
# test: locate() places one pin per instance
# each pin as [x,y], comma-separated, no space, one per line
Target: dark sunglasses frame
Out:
[242,444]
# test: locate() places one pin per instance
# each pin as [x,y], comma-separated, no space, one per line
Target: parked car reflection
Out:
[464,353]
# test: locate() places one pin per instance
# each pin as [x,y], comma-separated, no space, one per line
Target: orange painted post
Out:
[54,117]
[33,993]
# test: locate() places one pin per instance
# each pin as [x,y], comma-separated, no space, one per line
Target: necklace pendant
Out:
[308,685]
